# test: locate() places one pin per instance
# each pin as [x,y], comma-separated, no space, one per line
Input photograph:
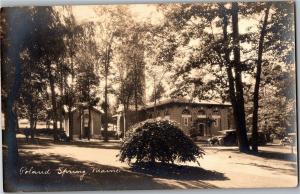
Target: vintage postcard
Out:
[149,96]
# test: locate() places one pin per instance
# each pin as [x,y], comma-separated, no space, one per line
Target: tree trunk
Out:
[61,105]
[61,119]
[240,107]
[53,101]
[105,109]
[5,118]
[70,116]
[5,123]
[16,117]
[154,88]
[12,147]
[126,119]
[70,96]
[106,66]
[136,96]
[231,79]
[81,123]
[31,121]
[89,124]
[136,104]
[257,81]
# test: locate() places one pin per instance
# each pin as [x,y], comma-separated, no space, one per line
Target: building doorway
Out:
[201,129]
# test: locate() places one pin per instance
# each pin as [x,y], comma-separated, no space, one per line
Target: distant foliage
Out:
[153,140]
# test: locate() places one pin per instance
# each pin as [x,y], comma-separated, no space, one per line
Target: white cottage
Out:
[80,117]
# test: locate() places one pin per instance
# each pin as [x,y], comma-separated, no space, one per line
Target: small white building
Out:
[80,117]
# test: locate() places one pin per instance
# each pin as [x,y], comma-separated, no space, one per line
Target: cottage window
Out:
[86,118]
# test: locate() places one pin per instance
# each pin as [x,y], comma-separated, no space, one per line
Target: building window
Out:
[201,114]
[186,112]
[167,115]
[186,115]
[186,121]
[216,111]
[216,115]
[86,118]
[201,129]
[216,123]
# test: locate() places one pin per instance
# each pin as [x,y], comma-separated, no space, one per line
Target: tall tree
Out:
[73,44]
[157,93]
[30,33]
[273,43]
[13,44]
[116,34]
[258,78]
[48,51]
[212,55]
[110,22]
[239,95]
[31,104]
[87,80]
[131,65]
[136,64]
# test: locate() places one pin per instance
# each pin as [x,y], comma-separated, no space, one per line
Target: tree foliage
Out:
[215,58]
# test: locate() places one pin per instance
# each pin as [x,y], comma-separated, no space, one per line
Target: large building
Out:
[207,118]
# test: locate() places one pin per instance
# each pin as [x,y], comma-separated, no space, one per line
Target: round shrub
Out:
[158,140]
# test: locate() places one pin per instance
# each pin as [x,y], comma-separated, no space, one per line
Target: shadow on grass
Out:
[178,172]
[45,143]
[87,176]
[276,155]
[285,171]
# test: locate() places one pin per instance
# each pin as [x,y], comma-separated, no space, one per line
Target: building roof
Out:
[96,109]
[176,101]
[185,101]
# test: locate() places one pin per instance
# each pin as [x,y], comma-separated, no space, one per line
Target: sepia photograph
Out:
[149,96]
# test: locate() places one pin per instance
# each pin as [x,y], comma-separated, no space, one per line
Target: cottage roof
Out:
[96,109]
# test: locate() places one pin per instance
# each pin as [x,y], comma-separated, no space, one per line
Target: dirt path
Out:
[221,167]
[252,171]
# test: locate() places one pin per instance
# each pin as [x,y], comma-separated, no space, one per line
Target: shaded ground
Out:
[95,166]
[177,172]
[83,175]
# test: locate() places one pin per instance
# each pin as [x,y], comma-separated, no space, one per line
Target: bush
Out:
[152,140]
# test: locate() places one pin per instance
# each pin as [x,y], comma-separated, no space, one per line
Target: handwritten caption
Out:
[63,171]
